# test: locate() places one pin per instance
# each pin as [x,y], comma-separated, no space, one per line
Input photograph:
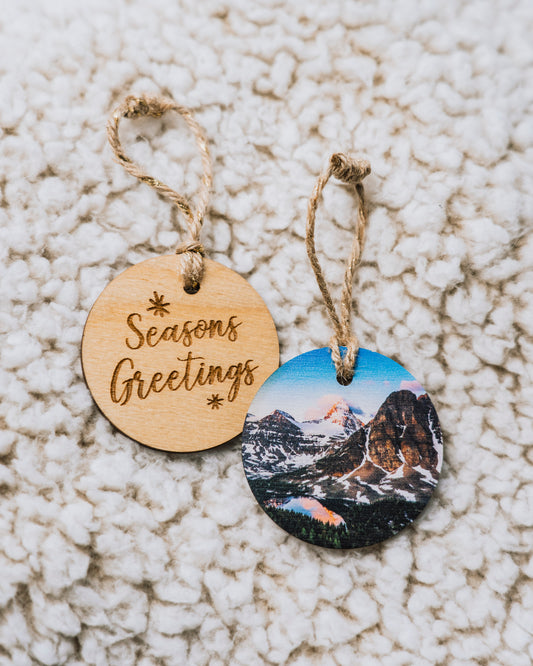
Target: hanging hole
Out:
[192,287]
[344,380]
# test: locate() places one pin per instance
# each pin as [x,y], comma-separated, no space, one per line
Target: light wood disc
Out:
[173,370]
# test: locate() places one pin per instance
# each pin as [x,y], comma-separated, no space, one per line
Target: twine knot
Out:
[192,264]
[344,364]
[191,246]
[135,107]
[348,169]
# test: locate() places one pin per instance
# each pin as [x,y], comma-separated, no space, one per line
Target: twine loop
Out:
[191,250]
[352,172]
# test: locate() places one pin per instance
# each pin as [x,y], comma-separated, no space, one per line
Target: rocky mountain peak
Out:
[342,414]
[401,432]
[280,415]
[395,454]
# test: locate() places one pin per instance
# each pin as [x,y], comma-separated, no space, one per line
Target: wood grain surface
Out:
[172,370]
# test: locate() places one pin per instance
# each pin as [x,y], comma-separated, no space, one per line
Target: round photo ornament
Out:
[175,347]
[342,446]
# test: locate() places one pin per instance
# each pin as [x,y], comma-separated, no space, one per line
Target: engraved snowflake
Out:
[158,305]
[215,401]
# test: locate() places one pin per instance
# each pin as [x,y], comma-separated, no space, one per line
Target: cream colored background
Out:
[115,554]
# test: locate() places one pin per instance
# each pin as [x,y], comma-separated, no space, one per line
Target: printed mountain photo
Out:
[342,466]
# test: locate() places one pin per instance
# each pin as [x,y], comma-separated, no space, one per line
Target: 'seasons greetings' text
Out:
[129,382]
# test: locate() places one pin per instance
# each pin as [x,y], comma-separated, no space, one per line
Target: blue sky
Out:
[306,386]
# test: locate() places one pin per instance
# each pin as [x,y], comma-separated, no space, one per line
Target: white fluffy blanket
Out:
[112,553]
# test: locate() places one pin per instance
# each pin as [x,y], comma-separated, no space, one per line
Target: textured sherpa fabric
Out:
[113,553]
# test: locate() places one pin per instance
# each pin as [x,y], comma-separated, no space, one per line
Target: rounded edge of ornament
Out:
[206,356]
[347,466]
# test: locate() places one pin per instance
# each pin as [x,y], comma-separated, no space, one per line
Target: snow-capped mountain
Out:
[279,443]
[343,415]
[398,453]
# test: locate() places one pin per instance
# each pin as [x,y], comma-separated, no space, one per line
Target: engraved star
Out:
[158,305]
[214,401]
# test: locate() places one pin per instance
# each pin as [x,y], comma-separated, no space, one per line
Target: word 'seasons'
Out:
[184,333]
[126,381]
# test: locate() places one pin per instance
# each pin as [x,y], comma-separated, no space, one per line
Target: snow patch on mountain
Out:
[343,415]
[426,474]
[322,428]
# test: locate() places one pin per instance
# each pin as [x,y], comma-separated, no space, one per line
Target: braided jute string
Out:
[192,250]
[352,172]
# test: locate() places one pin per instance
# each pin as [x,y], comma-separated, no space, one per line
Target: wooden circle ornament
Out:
[176,347]
[173,370]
